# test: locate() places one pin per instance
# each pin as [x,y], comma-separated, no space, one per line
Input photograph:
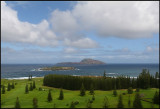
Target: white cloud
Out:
[127,19]
[70,50]
[13,30]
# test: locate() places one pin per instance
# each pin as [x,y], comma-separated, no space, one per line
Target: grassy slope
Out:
[8,99]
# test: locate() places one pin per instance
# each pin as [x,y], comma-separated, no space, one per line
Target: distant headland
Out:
[83,62]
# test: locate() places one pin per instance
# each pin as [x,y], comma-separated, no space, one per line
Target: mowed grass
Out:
[9,98]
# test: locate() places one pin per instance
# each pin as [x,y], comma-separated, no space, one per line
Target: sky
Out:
[48,32]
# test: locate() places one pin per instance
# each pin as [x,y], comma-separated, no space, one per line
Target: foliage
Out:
[93,97]
[34,85]
[35,102]
[156,98]
[129,101]
[3,89]
[72,105]
[17,105]
[137,102]
[31,87]
[115,92]
[105,102]
[130,90]
[61,97]
[91,89]
[49,96]
[89,104]
[104,74]
[26,89]
[82,90]
[12,85]
[9,87]
[120,104]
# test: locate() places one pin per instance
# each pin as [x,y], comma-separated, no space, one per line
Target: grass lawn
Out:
[9,98]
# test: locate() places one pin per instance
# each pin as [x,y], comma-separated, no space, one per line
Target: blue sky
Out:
[57,31]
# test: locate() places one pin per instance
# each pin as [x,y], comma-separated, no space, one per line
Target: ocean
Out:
[22,71]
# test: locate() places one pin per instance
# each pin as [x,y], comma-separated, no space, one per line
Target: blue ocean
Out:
[21,71]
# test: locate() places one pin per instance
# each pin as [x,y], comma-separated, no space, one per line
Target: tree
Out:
[26,88]
[105,102]
[156,98]
[115,92]
[31,87]
[91,89]
[72,105]
[17,105]
[104,74]
[29,78]
[130,90]
[35,102]
[137,89]
[3,89]
[82,90]
[89,104]
[157,75]
[129,101]
[120,104]
[93,98]
[61,95]
[137,102]
[49,96]
[9,87]
[12,85]
[34,85]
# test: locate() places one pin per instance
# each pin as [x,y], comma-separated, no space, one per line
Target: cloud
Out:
[13,30]
[127,19]
[70,50]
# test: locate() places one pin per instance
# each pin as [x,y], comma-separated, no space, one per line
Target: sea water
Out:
[22,71]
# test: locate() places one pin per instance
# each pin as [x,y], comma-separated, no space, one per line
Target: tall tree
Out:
[93,98]
[120,103]
[105,102]
[3,89]
[49,96]
[9,87]
[26,89]
[31,87]
[91,89]
[35,102]
[61,97]
[137,102]
[34,85]
[17,105]
[12,85]
[156,98]
[82,90]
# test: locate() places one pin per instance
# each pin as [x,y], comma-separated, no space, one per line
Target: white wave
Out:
[39,69]
[112,73]
[20,78]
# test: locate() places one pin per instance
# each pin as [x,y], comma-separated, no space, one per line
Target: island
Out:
[57,68]
[87,61]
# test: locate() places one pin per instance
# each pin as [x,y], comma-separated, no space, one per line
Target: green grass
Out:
[8,99]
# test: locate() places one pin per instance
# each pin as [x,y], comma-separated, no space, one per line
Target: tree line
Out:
[144,80]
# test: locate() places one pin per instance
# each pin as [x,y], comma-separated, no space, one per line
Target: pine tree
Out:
[91,89]
[34,85]
[137,102]
[26,88]
[72,105]
[120,104]
[12,85]
[105,102]
[89,104]
[130,90]
[93,98]
[156,98]
[129,101]
[31,87]
[17,105]
[115,92]
[3,89]
[35,102]
[49,96]
[29,78]
[61,97]
[9,87]
[82,91]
